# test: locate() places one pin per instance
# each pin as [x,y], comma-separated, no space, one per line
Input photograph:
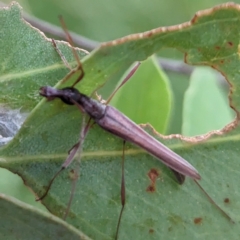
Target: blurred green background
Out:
[105,20]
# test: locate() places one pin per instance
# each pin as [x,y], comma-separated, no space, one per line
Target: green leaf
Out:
[52,128]
[146,97]
[17,189]
[205,104]
[28,61]
[22,221]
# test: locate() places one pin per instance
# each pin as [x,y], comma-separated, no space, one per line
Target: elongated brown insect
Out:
[115,122]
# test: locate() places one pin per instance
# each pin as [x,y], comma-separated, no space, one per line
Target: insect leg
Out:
[69,38]
[129,75]
[76,173]
[123,193]
[61,55]
[71,154]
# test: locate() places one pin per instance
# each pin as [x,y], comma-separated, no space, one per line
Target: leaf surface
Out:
[22,221]
[37,151]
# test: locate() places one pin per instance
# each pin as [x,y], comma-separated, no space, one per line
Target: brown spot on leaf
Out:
[226,200]
[217,47]
[222,61]
[230,44]
[153,175]
[151,188]
[198,220]
[151,230]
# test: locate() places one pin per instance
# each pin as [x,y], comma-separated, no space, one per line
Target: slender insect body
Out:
[111,120]
[123,127]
